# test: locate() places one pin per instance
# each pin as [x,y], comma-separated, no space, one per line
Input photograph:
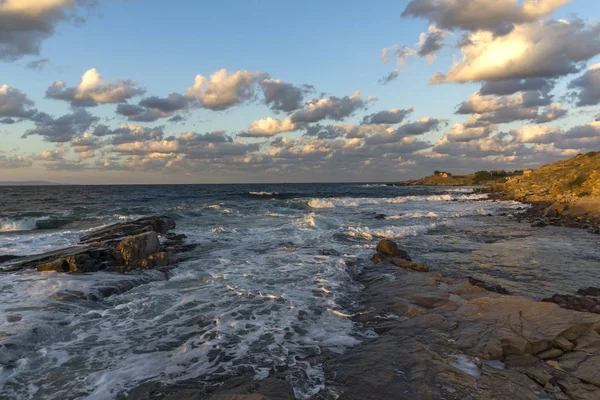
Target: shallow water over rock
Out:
[269,287]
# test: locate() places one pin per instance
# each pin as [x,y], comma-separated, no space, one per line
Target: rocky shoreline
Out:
[436,339]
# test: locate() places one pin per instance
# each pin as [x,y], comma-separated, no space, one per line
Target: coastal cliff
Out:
[563,193]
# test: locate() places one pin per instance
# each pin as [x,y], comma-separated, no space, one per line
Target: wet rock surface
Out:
[120,247]
[455,340]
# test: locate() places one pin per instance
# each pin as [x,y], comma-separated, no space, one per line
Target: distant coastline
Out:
[564,193]
[29,183]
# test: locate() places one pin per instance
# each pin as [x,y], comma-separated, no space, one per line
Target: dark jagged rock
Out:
[8,257]
[118,247]
[157,224]
[590,291]
[492,287]
[577,303]
[134,249]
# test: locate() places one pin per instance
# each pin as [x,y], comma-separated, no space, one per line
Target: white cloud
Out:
[223,90]
[538,49]
[93,90]
[269,127]
[497,16]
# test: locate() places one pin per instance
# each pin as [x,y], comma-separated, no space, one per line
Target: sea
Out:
[270,286]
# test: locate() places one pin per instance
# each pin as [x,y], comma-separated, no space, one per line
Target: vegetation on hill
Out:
[441,178]
[575,179]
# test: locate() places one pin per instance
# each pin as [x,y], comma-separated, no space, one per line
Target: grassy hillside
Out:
[569,180]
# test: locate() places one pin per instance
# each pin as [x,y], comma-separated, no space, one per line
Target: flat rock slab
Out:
[453,340]
[43,258]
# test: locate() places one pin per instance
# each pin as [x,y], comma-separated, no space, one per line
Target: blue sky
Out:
[335,47]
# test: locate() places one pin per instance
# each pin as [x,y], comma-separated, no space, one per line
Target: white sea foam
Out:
[307,220]
[362,201]
[263,193]
[21,224]
[391,232]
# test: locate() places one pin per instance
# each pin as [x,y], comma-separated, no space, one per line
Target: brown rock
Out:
[162,259]
[387,247]
[552,353]
[134,249]
[563,344]
[77,263]
[409,265]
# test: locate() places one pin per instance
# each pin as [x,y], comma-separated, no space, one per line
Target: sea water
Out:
[270,285]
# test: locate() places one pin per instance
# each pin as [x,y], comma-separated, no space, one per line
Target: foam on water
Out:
[396,232]
[269,286]
[23,224]
[362,201]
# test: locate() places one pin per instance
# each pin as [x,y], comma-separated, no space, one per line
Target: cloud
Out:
[129,110]
[545,49]
[269,127]
[61,129]
[93,90]
[129,133]
[14,103]
[588,87]
[335,108]
[416,128]
[14,162]
[536,134]
[551,113]
[24,24]
[393,116]
[478,104]
[224,90]
[462,133]
[431,42]
[282,96]
[325,131]
[38,65]
[496,16]
[171,103]
[511,86]
[86,144]
[389,77]
[402,54]
[193,138]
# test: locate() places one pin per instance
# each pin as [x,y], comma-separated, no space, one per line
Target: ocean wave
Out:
[308,220]
[362,201]
[13,225]
[263,194]
[32,223]
[392,232]
[430,214]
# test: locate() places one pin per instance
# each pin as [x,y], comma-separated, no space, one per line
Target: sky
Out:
[145,91]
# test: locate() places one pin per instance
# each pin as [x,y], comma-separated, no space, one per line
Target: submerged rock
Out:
[492,287]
